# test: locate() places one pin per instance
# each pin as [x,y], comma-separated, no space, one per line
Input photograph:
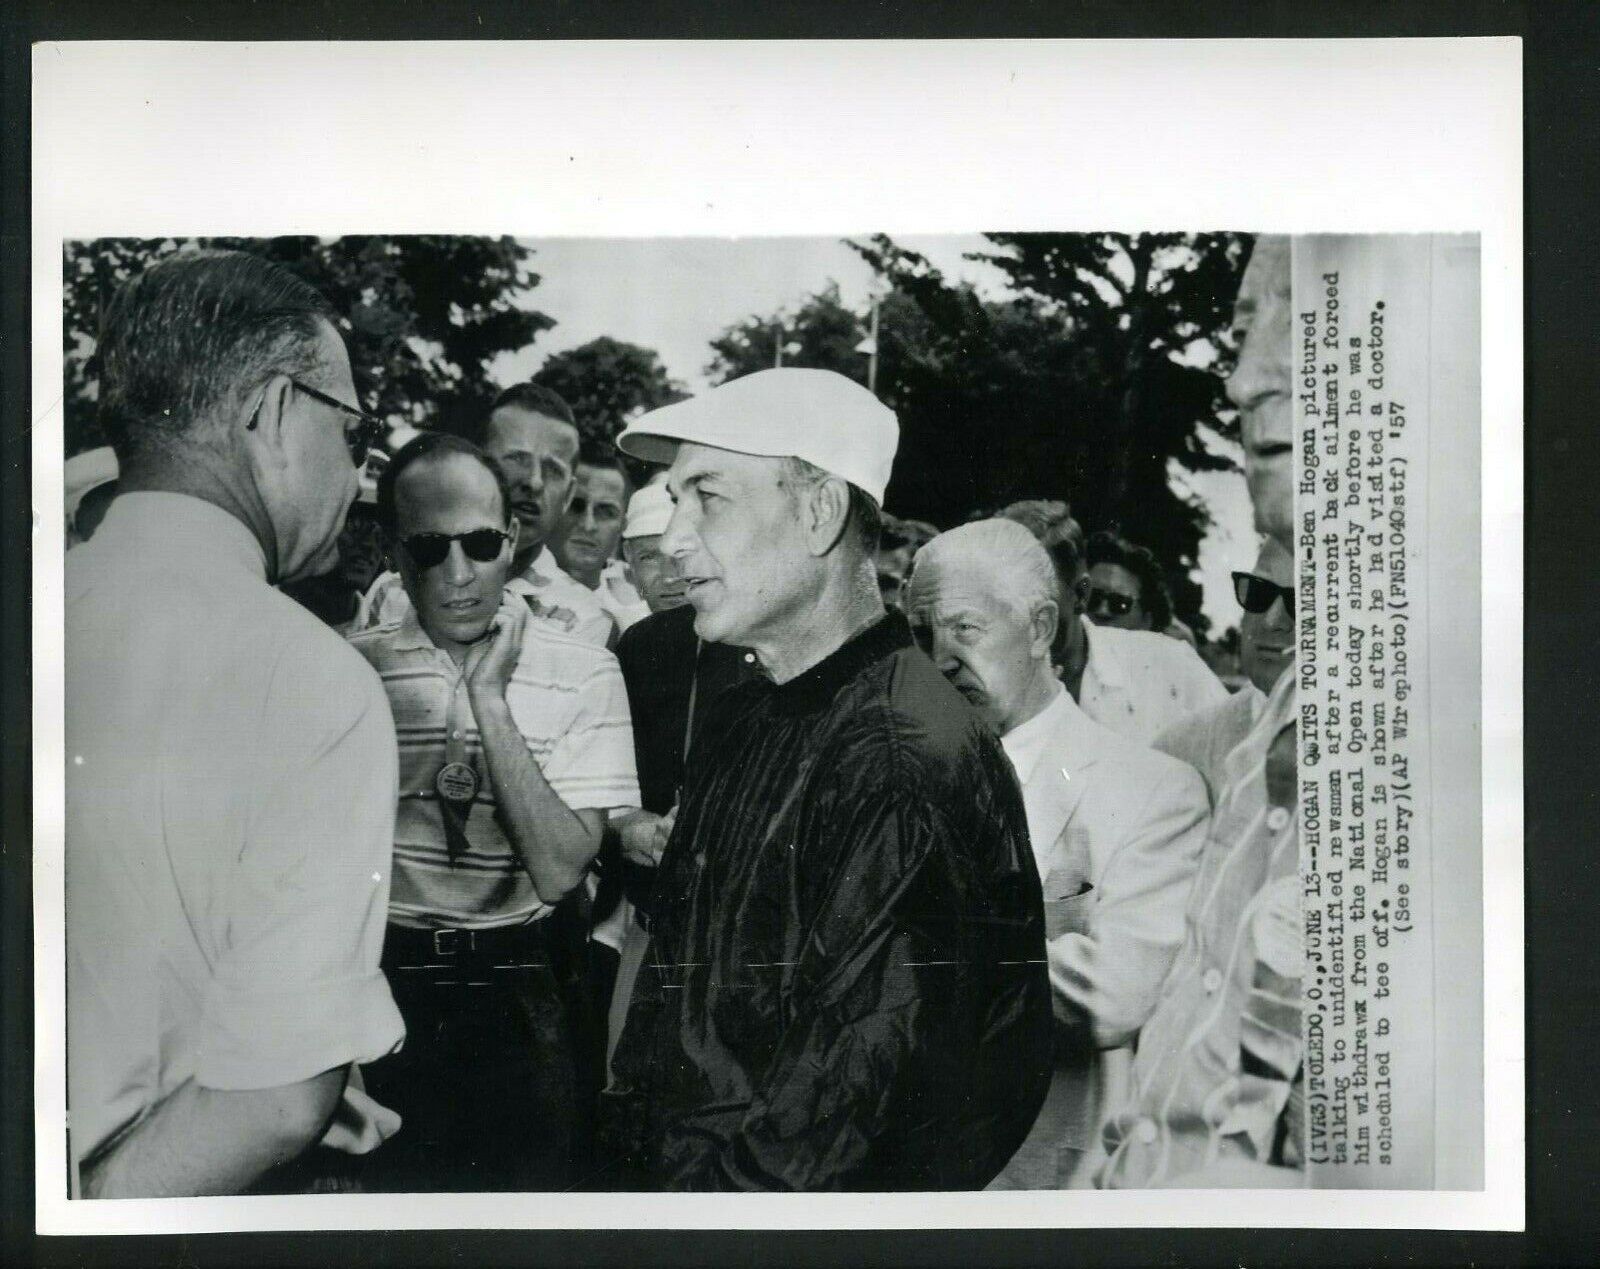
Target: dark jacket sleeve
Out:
[910,1059]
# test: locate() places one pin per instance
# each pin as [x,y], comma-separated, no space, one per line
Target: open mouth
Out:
[458,606]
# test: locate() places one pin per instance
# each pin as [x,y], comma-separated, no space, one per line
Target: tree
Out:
[607,382]
[422,315]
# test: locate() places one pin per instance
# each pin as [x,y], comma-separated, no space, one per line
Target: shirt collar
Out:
[544,564]
[411,637]
[184,528]
[1106,666]
[815,688]
[1025,742]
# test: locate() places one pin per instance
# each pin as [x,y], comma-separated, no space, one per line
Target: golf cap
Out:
[648,512]
[831,422]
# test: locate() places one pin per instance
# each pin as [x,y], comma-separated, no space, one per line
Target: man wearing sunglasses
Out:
[515,745]
[231,788]
[532,436]
[1136,682]
[1266,639]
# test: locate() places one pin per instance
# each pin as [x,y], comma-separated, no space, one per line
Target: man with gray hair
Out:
[231,787]
[848,988]
[1116,828]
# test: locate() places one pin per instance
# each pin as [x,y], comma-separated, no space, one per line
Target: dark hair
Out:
[433,445]
[196,332]
[896,533]
[538,398]
[1106,547]
[598,453]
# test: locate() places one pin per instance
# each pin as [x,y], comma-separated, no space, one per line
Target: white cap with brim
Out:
[829,421]
[85,472]
[648,513]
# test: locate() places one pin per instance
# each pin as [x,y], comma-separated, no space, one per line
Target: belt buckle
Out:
[453,942]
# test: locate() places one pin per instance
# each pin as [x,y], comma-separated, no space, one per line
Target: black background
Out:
[1562,223]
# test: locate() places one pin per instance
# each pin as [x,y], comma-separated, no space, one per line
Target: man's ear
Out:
[825,512]
[266,427]
[516,525]
[1044,622]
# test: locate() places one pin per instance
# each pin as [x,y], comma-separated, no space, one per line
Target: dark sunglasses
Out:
[359,436]
[1255,594]
[1115,604]
[427,550]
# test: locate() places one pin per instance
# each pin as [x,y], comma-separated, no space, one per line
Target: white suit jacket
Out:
[1130,823]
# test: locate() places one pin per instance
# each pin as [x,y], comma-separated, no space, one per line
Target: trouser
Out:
[485,1084]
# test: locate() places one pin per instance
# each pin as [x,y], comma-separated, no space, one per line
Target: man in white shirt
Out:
[1136,682]
[1116,828]
[531,434]
[231,779]
[515,746]
[1266,639]
[586,546]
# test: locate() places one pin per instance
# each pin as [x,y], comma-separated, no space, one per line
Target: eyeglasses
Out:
[361,435]
[428,550]
[1116,605]
[1255,594]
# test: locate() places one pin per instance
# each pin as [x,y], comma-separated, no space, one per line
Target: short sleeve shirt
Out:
[230,809]
[568,701]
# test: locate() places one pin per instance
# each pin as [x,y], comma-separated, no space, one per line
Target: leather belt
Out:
[405,946]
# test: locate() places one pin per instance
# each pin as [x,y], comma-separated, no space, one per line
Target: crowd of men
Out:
[709,831]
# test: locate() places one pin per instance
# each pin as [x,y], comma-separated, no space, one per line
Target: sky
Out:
[675,295]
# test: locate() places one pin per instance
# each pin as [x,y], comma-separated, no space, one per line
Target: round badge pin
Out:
[456,782]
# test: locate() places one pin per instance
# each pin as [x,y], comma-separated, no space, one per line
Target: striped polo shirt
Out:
[568,701]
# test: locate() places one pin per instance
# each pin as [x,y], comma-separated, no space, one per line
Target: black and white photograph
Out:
[988,708]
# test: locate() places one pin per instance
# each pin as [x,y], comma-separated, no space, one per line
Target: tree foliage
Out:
[607,382]
[1094,377]
[422,315]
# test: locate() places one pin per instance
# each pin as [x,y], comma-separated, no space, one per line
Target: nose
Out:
[1263,366]
[457,567]
[1277,617]
[677,539]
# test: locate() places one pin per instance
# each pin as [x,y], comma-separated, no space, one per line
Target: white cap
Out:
[830,421]
[648,512]
[84,472]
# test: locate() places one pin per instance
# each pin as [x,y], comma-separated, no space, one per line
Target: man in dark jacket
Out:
[847,986]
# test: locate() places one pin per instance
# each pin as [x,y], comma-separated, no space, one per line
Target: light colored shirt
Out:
[557,601]
[619,597]
[1206,738]
[1218,1058]
[230,811]
[1138,682]
[567,699]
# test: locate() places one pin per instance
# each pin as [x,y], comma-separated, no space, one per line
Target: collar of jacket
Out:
[814,690]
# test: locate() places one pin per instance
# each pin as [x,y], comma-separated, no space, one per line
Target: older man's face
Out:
[975,634]
[654,573]
[1260,385]
[736,539]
